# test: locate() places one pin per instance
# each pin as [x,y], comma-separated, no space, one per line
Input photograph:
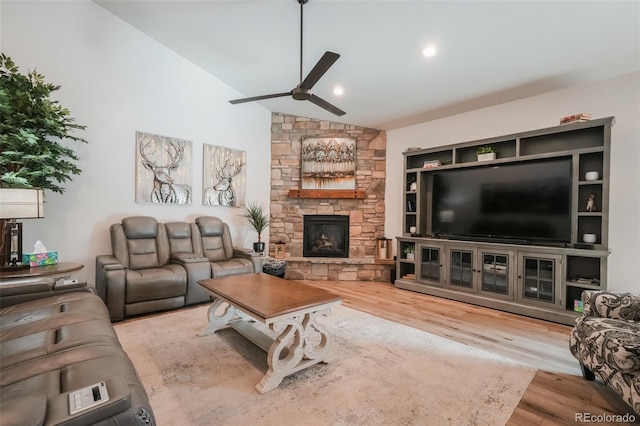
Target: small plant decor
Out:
[409,249]
[485,149]
[255,217]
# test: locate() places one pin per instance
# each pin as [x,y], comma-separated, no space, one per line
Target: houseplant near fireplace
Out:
[256,218]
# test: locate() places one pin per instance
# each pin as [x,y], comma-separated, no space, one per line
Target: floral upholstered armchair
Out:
[606,342]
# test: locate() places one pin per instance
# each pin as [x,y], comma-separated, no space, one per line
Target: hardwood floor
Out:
[557,393]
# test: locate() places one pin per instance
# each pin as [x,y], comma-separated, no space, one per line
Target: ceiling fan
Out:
[302,92]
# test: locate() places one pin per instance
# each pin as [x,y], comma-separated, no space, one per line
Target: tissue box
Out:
[40,259]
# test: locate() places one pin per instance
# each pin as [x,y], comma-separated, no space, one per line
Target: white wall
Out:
[619,97]
[116,80]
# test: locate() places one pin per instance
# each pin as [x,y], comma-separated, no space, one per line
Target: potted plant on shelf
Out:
[486,153]
[256,218]
[409,252]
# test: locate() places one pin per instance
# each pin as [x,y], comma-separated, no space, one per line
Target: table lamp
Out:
[16,203]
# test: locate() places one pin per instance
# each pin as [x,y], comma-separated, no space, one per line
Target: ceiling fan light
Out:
[338,91]
[429,51]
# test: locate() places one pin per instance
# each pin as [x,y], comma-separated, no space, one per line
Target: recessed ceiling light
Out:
[338,91]
[429,51]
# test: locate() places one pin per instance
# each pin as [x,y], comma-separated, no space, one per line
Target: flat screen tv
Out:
[527,202]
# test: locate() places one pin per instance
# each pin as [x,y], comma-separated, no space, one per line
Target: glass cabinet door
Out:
[461,268]
[539,278]
[429,258]
[495,273]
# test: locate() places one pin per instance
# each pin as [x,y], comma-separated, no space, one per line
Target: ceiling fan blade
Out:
[258,98]
[326,105]
[318,71]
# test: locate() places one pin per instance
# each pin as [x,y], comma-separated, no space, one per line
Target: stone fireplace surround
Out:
[366,216]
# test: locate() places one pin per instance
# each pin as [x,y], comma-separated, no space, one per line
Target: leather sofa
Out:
[156,266]
[606,342]
[55,345]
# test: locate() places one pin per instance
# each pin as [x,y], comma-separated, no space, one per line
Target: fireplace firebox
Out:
[326,236]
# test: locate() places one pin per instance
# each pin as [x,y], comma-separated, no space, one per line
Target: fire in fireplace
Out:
[325,236]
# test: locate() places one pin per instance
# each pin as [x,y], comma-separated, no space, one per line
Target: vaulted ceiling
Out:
[488,52]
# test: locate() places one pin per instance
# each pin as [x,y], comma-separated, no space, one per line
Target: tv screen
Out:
[524,201]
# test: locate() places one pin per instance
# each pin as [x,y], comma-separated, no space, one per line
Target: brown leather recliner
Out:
[185,246]
[138,277]
[57,345]
[224,258]
[157,266]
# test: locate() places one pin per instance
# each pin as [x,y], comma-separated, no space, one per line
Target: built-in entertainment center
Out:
[525,232]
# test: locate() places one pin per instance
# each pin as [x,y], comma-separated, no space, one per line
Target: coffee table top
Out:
[267,296]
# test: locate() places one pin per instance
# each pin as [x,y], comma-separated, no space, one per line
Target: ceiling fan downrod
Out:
[302,3]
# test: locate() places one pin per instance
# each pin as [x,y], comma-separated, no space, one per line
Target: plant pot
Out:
[258,247]
[410,256]
[487,157]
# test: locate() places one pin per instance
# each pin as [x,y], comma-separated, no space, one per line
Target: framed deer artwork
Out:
[163,169]
[224,176]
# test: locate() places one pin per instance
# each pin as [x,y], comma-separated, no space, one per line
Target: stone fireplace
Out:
[325,236]
[364,208]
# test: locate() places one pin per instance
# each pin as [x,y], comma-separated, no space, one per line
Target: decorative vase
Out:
[258,247]
[410,256]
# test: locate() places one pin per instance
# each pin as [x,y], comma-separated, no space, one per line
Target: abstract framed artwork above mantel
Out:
[328,169]
[328,163]
[163,169]
[224,176]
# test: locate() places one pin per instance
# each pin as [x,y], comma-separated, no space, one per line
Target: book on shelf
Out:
[431,163]
[583,116]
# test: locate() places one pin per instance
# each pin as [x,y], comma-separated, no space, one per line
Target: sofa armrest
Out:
[20,290]
[244,252]
[26,410]
[256,258]
[611,304]
[110,284]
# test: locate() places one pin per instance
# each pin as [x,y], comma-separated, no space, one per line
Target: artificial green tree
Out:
[32,125]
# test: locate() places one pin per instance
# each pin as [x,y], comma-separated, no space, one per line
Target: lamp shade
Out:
[21,203]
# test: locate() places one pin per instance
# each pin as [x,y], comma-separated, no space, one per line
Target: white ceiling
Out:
[490,52]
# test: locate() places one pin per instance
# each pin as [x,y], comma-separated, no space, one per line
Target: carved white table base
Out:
[301,340]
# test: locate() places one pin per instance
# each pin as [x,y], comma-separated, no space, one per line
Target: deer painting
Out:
[222,192]
[164,189]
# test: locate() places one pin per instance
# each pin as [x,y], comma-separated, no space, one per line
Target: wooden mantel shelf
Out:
[327,193]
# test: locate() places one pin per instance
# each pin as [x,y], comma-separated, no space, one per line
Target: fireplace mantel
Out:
[327,193]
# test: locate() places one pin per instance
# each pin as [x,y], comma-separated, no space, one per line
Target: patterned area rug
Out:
[381,373]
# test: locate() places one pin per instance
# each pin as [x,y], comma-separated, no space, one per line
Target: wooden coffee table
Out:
[288,308]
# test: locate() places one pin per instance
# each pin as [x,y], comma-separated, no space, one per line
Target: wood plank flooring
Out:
[558,390]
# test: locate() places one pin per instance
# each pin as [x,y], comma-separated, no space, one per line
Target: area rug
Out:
[381,373]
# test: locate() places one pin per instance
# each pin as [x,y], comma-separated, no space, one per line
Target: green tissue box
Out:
[40,259]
